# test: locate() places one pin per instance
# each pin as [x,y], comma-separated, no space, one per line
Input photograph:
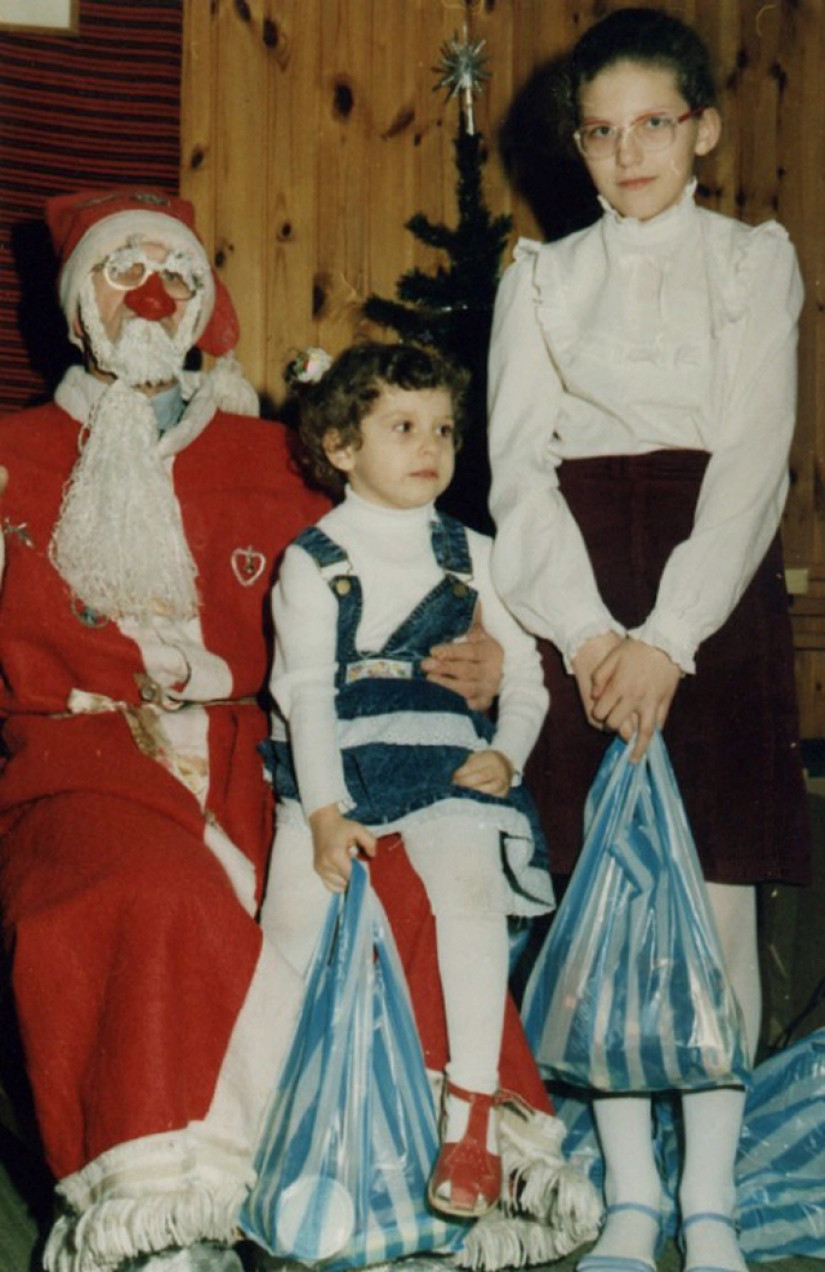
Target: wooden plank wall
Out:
[311,131]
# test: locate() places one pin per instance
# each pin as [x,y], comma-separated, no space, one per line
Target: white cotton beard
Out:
[145,352]
[119,540]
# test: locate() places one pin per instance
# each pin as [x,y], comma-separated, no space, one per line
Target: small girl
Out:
[365,745]
[642,380]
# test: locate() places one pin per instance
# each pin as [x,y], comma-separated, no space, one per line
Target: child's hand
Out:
[633,688]
[335,841]
[487,771]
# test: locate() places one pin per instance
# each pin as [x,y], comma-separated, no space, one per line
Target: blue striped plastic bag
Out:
[780,1167]
[628,992]
[780,1164]
[350,1137]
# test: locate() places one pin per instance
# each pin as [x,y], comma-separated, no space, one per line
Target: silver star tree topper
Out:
[463,66]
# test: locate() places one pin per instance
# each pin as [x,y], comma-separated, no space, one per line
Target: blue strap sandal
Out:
[618,1262]
[707,1216]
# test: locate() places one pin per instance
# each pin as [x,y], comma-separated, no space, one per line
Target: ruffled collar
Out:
[663,230]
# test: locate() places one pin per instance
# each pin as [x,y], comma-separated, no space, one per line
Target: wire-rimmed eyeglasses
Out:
[655,130]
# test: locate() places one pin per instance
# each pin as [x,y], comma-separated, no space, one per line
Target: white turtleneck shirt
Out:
[624,338]
[391,553]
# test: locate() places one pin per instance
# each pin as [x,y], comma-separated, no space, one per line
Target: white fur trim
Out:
[223,388]
[78,392]
[232,391]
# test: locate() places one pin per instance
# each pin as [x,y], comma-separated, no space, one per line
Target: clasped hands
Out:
[627,686]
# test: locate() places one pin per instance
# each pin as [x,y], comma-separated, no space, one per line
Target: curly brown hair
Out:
[340,400]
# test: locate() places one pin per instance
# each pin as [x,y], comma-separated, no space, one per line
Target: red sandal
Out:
[466,1179]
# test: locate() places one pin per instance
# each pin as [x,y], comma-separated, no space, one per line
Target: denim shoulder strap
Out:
[323,550]
[451,545]
[336,570]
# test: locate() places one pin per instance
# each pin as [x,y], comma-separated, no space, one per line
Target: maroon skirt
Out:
[733,728]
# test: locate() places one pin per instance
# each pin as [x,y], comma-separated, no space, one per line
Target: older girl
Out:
[643,378]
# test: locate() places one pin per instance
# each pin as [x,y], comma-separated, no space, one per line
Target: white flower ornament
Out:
[311,365]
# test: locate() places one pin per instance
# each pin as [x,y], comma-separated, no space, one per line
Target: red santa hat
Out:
[87,226]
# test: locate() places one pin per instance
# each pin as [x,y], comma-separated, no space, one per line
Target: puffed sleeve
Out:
[303,679]
[746,482]
[541,567]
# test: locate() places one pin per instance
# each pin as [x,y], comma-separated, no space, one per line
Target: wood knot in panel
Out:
[343,98]
[320,290]
[222,253]
[277,42]
[403,118]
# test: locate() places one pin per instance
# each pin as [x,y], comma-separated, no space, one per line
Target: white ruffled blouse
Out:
[629,337]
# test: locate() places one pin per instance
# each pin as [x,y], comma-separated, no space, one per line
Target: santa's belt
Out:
[146,725]
[82,702]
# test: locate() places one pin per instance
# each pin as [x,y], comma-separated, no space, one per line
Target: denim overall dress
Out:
[401,737]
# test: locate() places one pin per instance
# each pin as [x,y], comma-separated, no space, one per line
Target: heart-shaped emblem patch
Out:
[248,565]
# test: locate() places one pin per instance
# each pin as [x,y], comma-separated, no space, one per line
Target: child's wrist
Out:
[324,817]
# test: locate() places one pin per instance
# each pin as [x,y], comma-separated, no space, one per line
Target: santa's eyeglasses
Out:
[128,268]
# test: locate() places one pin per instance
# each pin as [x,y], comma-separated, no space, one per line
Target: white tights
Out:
[459,862]
[461,871]
[712,1121]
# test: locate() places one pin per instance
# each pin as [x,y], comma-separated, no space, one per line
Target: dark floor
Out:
[24,1201]
[20,1243]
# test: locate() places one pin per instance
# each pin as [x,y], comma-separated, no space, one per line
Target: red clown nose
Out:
[150,301]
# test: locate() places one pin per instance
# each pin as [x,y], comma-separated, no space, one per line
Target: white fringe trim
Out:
[147,1196]
[506,1241]
[548,1206]
[111,1231]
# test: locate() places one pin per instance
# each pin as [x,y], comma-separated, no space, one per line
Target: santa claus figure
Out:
[144,516]
[145,512]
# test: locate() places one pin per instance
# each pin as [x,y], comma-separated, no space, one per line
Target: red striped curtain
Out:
[99,108]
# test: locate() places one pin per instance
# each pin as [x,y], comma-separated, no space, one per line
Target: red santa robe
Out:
[135,825]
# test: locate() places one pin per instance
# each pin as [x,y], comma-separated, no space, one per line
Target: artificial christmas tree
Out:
[451,309]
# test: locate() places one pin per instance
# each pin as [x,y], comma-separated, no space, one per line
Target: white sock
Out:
[456,1118]
[734,909]
[631,1178]
[713,1122]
